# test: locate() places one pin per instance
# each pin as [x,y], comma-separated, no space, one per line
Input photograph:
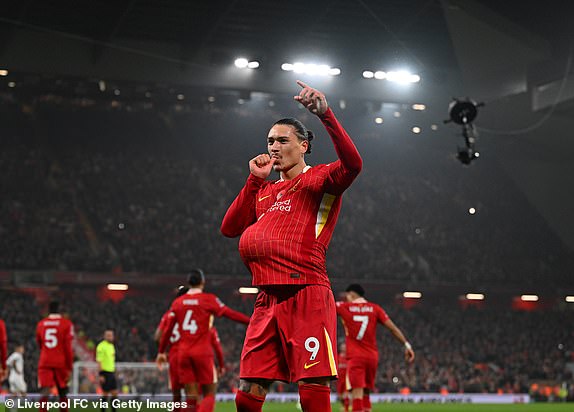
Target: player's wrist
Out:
[408,346]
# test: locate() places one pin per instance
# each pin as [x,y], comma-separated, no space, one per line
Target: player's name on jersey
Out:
[360,308]
[191,302]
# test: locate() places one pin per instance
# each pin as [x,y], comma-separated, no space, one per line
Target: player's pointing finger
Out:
[303,85]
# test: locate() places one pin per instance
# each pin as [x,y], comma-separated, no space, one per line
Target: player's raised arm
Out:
[409,353]
[234,315]
[241,213]
[350,160]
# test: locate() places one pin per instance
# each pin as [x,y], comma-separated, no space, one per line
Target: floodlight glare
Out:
[253,65]
[367,74]
[241,63]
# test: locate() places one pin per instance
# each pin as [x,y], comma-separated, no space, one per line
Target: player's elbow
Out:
[228,231]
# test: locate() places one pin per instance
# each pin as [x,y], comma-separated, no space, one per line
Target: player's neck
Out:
[294,171]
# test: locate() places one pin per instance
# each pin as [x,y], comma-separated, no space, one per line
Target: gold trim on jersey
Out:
[332,363]
[323,213]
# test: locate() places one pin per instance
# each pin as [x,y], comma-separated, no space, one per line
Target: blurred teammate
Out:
[193,313]
[3,349]
[15,365]
[286,226]
[342,392]
[174,378]
[360,319]
[106,358]
[54,335]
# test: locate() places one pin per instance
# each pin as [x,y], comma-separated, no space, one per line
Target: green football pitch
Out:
[290,407]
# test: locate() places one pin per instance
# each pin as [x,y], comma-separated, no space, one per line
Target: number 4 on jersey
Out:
[189,324]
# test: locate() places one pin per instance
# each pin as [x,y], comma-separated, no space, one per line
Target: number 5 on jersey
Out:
[50,338]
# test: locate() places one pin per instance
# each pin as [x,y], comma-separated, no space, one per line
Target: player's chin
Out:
[277,167]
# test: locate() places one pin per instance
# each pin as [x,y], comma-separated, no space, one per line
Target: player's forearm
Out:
[344,146]
[235,316]
[241,213]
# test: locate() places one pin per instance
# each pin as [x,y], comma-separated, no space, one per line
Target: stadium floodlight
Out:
[472,210]
[529,298]
[11,84]
[412,295]
[569,299]
[403,77]
[378,120]
[367,74]
[419,107]
[248,290]
[416,129]
[241,63]
[475,296]
[311,69]
[253,65]
[380,75]
[118,286]
[3,72]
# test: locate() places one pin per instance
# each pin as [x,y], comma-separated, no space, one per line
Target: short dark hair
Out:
[181,290]
[54,306]
[196,277]
[355,287]
[300,130]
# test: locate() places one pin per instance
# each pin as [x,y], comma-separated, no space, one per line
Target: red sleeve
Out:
[217,347]
[241,213]
[69,348]
[339,306]
[3,344]
[234,315]
[345,170]
[166,334]
[382,316]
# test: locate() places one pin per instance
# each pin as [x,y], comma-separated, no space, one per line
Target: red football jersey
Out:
[175,337]
[286,226]
[193,313]
[360,321]
[54,335]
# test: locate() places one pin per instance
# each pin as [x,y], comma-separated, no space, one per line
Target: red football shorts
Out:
[342,382]
[195,368]
[361,372]
[174,378]
[291,335]
[49,377]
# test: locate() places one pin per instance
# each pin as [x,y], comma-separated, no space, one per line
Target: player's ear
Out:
[304,146]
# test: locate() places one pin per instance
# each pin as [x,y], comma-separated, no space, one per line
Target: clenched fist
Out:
[260,166]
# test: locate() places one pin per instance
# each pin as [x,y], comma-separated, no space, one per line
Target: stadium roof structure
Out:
[514,55]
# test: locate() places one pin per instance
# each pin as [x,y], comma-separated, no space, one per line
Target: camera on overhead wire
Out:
[463,112]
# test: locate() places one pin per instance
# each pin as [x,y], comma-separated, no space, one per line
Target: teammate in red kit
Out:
[54,335]
[193,313]
[216,345]
[360,319]
[3,350]
[286,226]
[174,378]
[342,392]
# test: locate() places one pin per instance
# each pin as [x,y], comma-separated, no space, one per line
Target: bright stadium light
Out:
[117,286]
[402,77]
[311,69]
[412,295]
[569,299]
[241,63]
[529,298]
[416,130]
[11,84]
[367,74]
[472,211]
[378,120]
[248,290]
[3,72]
[380,75]
[419,107]
[434,127]
[475,296]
